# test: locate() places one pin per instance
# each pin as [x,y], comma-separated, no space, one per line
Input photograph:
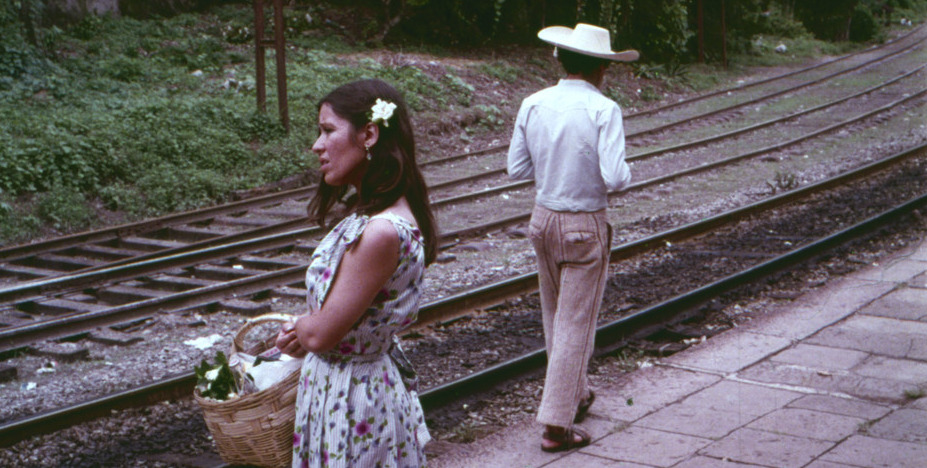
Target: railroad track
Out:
[238,273]
[284,211]
[240,262]
[266,237]
[619,327]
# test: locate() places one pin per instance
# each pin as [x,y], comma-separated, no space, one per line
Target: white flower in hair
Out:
[382,111]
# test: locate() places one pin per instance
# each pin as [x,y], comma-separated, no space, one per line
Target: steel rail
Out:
[706,140]
[287,225]
[617,333]
[732,89]
[778,93]
[18,252]
[27,290]
[701,168]
[608,336]
[719,92]
[648,154]
[440,310]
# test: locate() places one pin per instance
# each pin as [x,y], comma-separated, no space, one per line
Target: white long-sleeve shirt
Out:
[570,139]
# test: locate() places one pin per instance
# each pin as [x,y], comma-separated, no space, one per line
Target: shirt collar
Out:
[573,83]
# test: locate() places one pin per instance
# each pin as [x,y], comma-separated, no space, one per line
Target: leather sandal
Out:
[566,440]
[583,407]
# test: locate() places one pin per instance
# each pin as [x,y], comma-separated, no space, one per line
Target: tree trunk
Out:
[27,17]
[390,19]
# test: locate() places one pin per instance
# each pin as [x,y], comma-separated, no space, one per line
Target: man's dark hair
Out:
[578,64]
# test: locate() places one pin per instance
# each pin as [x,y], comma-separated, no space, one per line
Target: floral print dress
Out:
[353,409]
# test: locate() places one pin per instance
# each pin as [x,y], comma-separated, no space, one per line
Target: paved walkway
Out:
[832,380]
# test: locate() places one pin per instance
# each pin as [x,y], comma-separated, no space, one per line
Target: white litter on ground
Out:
[204,342]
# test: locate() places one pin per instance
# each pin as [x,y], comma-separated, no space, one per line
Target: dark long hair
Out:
[391,172]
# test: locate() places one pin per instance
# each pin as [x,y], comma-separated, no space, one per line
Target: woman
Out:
[364,285]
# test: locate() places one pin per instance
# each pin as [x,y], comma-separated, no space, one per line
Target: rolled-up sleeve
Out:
[519,160]
[615,170]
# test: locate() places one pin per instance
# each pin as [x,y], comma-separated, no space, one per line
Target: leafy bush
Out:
[500,71]
[863,26]
[16,225]
[166,189]
[460,87]
[123,68]
[21,61]
[121,197]
[64,209]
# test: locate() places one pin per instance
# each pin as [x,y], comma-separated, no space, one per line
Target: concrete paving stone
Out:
[871,452]
[920,403]
[904,425]
[516,446]
[903,303]
[646,446]
[884,325]
[708,462]
[865,388]
[740,397]
[582,460]
[818,309]
[695,420]
[879,335]
[827,464]
[845,295]
[919,281]
[648,389]
[918,350]
[809,424]
[896,271]
[820,357]
[900,345]
[844,406]
[767,448]
[796,322]
[882,367]
[730,352]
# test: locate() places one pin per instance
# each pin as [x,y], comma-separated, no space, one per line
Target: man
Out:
[569,138]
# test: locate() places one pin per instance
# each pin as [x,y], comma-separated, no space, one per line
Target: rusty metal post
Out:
[259,55]
[279,45]
[723,36]
[280,48]
[701,34]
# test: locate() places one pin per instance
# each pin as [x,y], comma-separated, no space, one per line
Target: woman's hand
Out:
[288,343]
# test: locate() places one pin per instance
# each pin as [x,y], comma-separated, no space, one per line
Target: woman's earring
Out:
[369,156]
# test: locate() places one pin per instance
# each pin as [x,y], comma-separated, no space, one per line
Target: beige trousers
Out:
[572,255]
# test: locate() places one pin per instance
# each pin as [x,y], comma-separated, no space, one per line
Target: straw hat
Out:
[586,39]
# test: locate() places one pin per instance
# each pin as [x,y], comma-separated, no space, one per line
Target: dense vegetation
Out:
[107,120]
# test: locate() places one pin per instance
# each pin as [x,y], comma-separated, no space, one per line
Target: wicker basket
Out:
[254,429]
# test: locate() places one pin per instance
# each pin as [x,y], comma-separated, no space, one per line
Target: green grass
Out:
[123,119]
[764,52]
[150,117]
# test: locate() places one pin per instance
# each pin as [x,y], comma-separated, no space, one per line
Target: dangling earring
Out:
[369,156]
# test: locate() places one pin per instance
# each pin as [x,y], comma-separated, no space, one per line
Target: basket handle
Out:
[238,341]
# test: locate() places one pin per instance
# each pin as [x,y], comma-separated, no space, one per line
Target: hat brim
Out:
[559,36]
